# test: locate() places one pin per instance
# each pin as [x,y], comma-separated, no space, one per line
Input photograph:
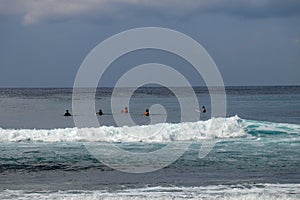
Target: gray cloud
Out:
[33,11]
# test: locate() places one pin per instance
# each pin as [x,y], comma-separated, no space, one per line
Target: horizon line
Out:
[226,86]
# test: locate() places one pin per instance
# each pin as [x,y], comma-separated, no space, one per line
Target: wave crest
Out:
[231,127]
[165,132]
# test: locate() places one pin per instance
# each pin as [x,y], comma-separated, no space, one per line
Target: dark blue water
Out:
[44,108]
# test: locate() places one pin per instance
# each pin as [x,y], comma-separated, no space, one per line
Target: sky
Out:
[253,42]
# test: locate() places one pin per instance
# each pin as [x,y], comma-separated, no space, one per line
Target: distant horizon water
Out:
[106,86]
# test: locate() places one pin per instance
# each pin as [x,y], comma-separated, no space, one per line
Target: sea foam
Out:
[231,127]
[164,132]
[217,192]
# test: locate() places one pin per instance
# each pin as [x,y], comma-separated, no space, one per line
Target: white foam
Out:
[231,127]
[217,192]
[213,128]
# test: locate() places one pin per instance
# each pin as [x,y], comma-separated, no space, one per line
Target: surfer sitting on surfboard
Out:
[67,114]
[203,109]
[146,113]
[125,110]
[100,112]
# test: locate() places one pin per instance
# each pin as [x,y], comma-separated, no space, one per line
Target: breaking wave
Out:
[231,127]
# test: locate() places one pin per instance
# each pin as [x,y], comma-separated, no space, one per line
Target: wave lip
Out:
[269,128]
[166,132]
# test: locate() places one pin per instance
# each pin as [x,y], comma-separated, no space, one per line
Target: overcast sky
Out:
[253,42]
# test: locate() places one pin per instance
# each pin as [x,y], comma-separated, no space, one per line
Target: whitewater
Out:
[215,128]
[219,192]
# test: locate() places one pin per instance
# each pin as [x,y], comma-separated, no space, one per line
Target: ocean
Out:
[43,155]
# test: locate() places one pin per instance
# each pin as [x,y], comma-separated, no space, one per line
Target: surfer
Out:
[100,112]
[203,109]
[67,114]
[125,110]
[146,113]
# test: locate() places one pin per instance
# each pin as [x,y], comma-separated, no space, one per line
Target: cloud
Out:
[35,11]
